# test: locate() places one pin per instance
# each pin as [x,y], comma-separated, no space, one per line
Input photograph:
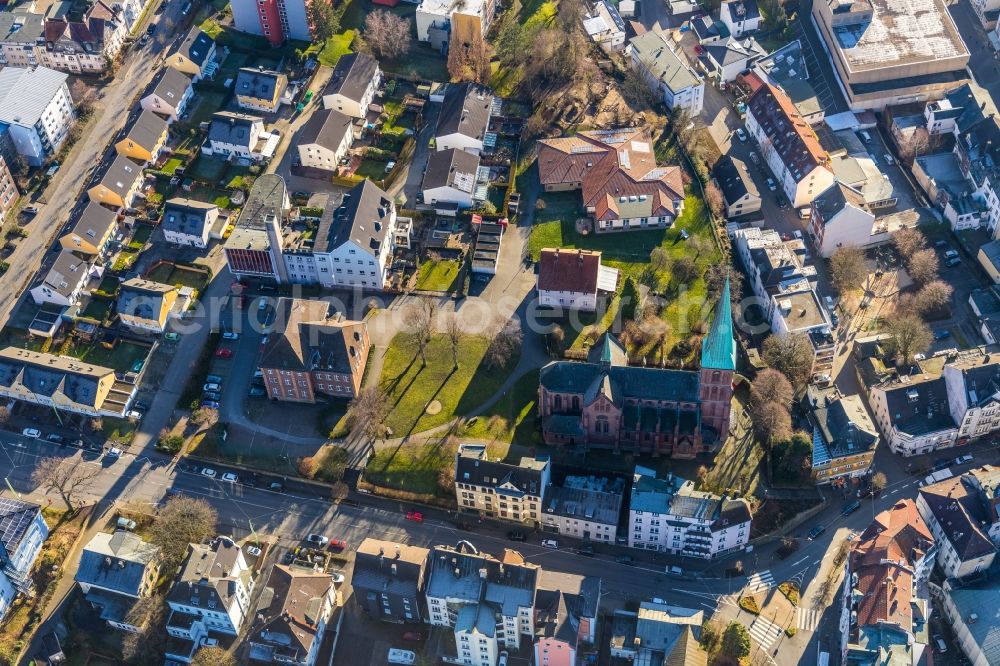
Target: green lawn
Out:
[412,387]
[335,48]
[119,431]
[208,169]
[211,194]
[172,165]
[167,273]
[208,103]
[141,236]
[439,275]
[421,61]
[97,309]
[514,418]
[372,168]
[411,467]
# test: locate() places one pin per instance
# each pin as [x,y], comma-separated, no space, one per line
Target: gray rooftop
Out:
[466,110]
[186,216]
[362,218]
[980,599]
[326,128]
[590,502]
[21,27]
[26,93]
[147,129]
[66,273]
[663,64]
[121,175]
[234,128]
[196,46]
[259,83]
[451,168]
[94,223]
[171,86]
[352,76]
[116,562]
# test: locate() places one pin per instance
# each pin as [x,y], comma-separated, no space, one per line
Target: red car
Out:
[415,516]
[699,49]
[337,545]
[223,352]
[412,636]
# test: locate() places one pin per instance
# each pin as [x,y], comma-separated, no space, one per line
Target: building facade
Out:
[501,490]
[38,110]
[388,580]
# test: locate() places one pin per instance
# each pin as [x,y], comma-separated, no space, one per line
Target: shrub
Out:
[791,591]
[749,604]
[171,443]
[790,631]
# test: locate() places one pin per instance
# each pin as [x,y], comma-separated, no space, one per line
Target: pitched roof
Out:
[569,270]
[144,299]
[234,128]
[86,34]
[466,111]
[303,339]
[961,513]
[186,216]
[121,175]
[94,223]
[473,467]
[919,405]
[835,198]
[451,168]
[21,27]
[326,128]
[211,575]
[793,139]
[470,576]
[734,179]
[259,83]
[558,611]
[289,612]
[26,93]
[196,46]
[352,76]
[386,566]
[629,381]
[16,517]
[116,562]
[718,349]
[662,62]
[147,129]
[731,50]
[66,273]
[171,86]
[58,377]
[362,218]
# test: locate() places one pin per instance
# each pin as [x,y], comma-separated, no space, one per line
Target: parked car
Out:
[229,335]
[223,352]
[211,386]
[962,460]
[942,333]
[502,661]
[888,159]
[32,432]
[782,201]
[951,254]
[754,158]
[415,516]
[954,261]
[939,243]
[262,303]
[771,185]
[741,135]
[516,535]
[55,438]
[850,508]
[125,524]
[209,472]
[213,379]
[231,477]
[939,643]
[338,545]
[211,395]
[940,464]
[626,560]
[816,531]
[586,550]
[550,543]
[317,540]
[677,571]
[257,392]
[276,486]
[133,414]
[114,452]
[30,210]
[171,337]
[412,636]
[253,550]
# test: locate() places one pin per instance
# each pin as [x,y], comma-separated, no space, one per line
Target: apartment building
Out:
[88,44]
[275,20]
[65,281]
[145,306]
[353,85]
[388,580]
[739,192]
[566,607]
[36,107]
[840,218]
[973,385]
[22,534]
[115,570]
[584,507]
[913,414]
[501,490]
[667,73]
[843,435]
[254,247]
[740,16]
[658,633]
[464,118]
[188,222]
[324,140]
[972,612]
[436,20]
[669,515]
[259,89]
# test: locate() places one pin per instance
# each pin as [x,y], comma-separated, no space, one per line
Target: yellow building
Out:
[92,231]
[144,139]
[144,305]
[118,185]
[195,55]
[260,89]
[844,436]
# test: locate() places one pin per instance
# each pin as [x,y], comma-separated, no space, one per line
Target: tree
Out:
[468,60]
[636,91]
[387,34]
[685,270]
[505,344]
[213,655]
[793,457]
[878,482]
[660,260]
[919,142]
[368,412]
[65,477]
[419,318]
[775,18]
[908,241]
[711,634]
[933,299]
[715,278]
[149,614]
[557,341]
[713,197]
[4,415]
[923,266]
[771,423]
[205,417]
[454,331]
[771,386]
[847,266]
[909,336]
[629,299]
[790,354]
[736,641]
[183,520]
[324,19]
[512,42]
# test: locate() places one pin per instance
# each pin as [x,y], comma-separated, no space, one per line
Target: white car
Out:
[318,540]
[209,472]
[888,159]
[114,452]
[550,543]
[211,387]
[961,460]
[741,135]
[229,335]
[771,185]
[253,550]
[229,476]
[32,432]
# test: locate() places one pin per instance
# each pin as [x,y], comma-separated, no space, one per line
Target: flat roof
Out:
[805,311]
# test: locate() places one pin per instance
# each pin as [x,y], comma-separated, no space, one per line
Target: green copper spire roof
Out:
[718,349]
[609,351]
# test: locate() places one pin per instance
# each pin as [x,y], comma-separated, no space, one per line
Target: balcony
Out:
[21,580]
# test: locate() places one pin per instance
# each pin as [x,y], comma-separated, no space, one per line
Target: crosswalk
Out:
[760,581]
[765,632]
[807,619]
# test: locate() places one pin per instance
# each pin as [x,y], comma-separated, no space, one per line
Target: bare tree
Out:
[205,417]
[454,331]
[505,344]
[716,202]
[771,385]
[908,241]
[909,336]
[933,298]
[419,318]
[660,260]
[923,266]
[771,424]
[792,355]
[468,60]
[636,91]
[684,270]
[213,655]
[368,412]
[148,615]
[183,520]
[388,34]
[4,415]
[847,266]
[919,142]
[878,482]
[65,477]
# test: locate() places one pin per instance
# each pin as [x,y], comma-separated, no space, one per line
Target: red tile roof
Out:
[569,270]
[792,137]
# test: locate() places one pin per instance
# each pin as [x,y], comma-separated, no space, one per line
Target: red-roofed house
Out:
[789,146]
[571,279]
[623,187]
[887,574]
[86,45]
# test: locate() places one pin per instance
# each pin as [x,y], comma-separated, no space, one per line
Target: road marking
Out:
[800,561]
[760,581]
[765,632]
[807,619]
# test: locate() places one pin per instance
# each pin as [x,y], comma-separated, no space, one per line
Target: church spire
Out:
[718,349]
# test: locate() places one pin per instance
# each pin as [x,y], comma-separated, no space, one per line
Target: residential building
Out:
[987,11]
[740,16]
[22,533]
[388,580]
[989,258]
[667,73]
[239,136]
[65,281]
[985,304]
[788,145]
[658,634]
[144,306]
[843,435]
[488,603]
[85,45]
[324,140]
[885,606]
[669,515]
[254,247]
[437,19]
[729,57]
[210,595]
[20,35]
[8,189]
[584,507]
[92,232]
[622,186]
[604,25]
[353,85]
[498,489]
[839,219]
[565,617]
[706,29]
[464,118]
[308,353]
[259,89]
[195,56]
[63,383]
[972,613]
[275,20]
[605,403]
[913,413]
[170,96]
[36,108]
[144,139]
[450,177]
[973,384]
[292,616]
[115,570]
[961,513]
[739,193]
[570,279]
[188,222]
[119,184]
[786,68]
[879,61]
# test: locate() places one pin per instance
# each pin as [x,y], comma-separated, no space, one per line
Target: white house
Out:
[570,279]
[501,490]
[605,26]
[740,16]
[584,507]
[36,106]
[913,414]
[739,192]
[145,306]
[669,515]
[239,136]
[450,177]
[188,222]
[673,80]
[839,219]
[353,85]
[170,96]
[435,19]
[64,282]
[114,570]
[465,118]
[325,139]
[973,384]
[730,57]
